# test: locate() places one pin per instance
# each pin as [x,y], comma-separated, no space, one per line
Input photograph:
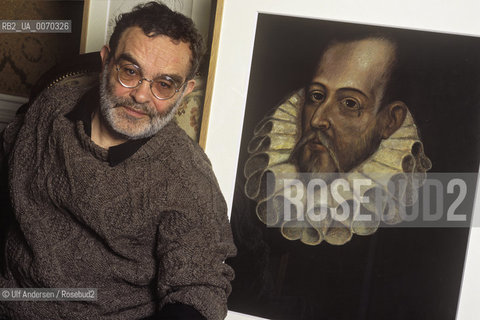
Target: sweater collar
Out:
[83,111]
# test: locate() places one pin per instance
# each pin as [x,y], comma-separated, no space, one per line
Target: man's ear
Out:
[189,86]
[393,116]
[104,53]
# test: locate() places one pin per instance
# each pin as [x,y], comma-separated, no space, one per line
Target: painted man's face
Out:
[341,124]
[136,113]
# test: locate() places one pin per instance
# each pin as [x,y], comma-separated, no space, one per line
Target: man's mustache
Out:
[318,136]
[140,107]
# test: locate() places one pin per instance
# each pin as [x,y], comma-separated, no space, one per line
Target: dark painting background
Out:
[397,273]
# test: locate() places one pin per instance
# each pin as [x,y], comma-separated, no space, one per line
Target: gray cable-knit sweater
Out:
[149,231]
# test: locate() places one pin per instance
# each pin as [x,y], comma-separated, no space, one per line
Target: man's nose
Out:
[142,93]
[320,118]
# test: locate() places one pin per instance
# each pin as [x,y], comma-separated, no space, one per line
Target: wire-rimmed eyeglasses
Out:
[162,88]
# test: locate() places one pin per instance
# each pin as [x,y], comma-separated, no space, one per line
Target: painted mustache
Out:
[323,139]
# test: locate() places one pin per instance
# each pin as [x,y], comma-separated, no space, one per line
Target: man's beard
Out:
[313,163]
[109,102]
[352,156]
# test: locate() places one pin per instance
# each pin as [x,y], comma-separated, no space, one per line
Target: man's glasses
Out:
[163,88]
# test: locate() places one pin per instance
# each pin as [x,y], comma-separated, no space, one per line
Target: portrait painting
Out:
[329,99]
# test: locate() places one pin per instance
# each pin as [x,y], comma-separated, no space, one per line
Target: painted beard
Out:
[128,127]
[313,161]
[309,160]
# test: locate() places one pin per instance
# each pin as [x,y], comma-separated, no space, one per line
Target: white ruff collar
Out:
[400,157]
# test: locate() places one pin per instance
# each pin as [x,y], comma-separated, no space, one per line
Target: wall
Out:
[24,57]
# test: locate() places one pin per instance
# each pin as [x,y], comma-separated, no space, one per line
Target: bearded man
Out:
[106,192]
[344,116]
[348,122]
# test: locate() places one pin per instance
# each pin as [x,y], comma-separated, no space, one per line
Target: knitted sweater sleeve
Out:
[194,239]
[7,140]
[8,136]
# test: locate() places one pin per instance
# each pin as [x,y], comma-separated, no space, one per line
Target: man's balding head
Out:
[345,114]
